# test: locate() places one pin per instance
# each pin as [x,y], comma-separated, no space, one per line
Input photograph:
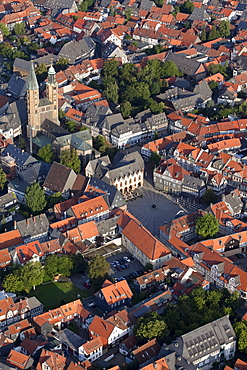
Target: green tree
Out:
[112,12]
[155,158]
[126,108]
[51,265]
[98,267]
[12,283]
[71,125]
[187,7]
[35,198]
[22,143]
[128,13]
[155,88]
[156,107]
[204,34]
[62,63]
[169,69]
[20,28]
[207,226]
[83,6]
[31,274]
[241,332]
[225,28]
[79,264]
[209,197]
[150,326]
[100,143]
[213,85]
[46,153]
[61,114]
[111,92]
[54,199]
[3,179]
[41,72]
[65,265]
[213,34]
[110,68]
[70,159]
[4,29]
[159,3]
[6,50]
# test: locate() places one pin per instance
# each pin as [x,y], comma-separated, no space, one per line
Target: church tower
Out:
[33,103]
[52,93]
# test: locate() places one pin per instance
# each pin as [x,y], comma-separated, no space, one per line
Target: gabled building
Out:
[34,228]
[112,296]
[206,344]
[141,243]
[59,179]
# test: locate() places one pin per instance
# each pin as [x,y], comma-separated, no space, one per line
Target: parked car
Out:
[87,284]
[126,259]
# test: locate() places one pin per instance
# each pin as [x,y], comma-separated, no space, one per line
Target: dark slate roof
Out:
[192,182]
[53,129]
[146,5]
[115,198]
[22,64]
[96,114]
[58,177]
[186,65]
[181,83]
[199,14]
[205,340]
[17,86]
[35,172]
[77,50]
[33,226]
[106,226]
[241,7]
[21,157]
[242,26]
[73,340]
[203,89]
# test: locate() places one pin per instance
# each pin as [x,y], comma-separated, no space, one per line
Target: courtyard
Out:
[153,209]
[53,295]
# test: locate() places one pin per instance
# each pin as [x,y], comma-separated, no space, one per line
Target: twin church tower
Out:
[42,109]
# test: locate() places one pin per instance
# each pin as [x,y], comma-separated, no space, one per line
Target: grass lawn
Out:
[53,295]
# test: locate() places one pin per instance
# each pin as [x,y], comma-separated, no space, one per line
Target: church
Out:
[43,123]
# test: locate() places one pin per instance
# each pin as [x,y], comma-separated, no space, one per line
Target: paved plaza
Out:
[153,209]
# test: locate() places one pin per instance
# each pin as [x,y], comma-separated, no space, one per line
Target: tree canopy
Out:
[70,159]
[150,326]
[46,153]
[187,7]
[241,332]
[209,197]
[98,267]
[4,29]
[155,158]
[13,283]
[207,226]
[197,309]
[134,88]
[79,264]
[35,198]
[55,265]
[3,179]
[20,28]
[31,274]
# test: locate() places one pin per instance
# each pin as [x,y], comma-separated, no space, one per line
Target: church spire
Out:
[32,83]
[51,76]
